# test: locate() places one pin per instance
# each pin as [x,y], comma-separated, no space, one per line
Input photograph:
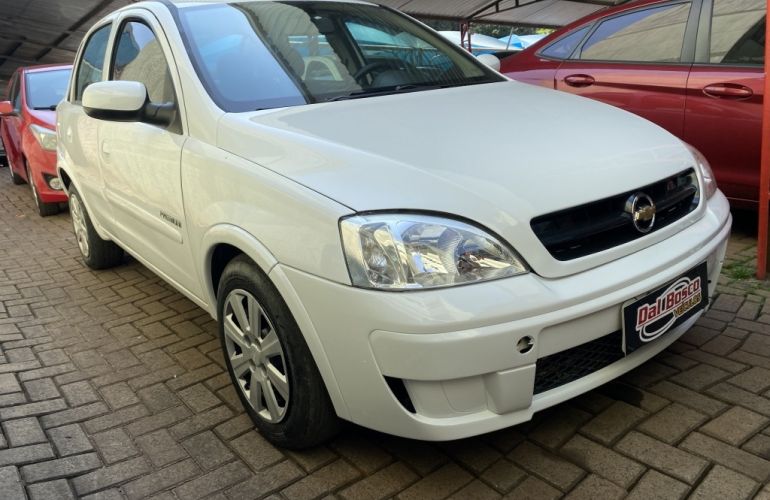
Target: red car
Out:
[694,67]
[27,130]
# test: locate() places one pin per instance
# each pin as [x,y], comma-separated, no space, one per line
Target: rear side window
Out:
[738,32]
[92,63]
[564,47]
[139,58]
[650,35]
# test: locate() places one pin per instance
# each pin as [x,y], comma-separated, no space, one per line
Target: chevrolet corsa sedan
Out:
[302,170]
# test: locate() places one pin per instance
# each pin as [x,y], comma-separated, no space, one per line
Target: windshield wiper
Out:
[399,89]
[45,108]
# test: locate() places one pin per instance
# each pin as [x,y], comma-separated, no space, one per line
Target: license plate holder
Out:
[650,317]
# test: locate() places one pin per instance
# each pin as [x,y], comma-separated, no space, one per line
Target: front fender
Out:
[256,251]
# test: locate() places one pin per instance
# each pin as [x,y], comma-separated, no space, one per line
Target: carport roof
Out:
[45,31]
[550,13]
[49,31]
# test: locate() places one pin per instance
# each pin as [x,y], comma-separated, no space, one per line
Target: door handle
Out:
[105,148]
[728,91]
[579,80]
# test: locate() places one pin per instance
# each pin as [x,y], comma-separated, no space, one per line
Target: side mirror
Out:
[490,60]
[124,101]
[6,108]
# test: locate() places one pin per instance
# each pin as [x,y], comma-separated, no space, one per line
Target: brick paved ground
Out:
[112,386]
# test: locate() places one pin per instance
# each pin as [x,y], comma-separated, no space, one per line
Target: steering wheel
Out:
[370,68]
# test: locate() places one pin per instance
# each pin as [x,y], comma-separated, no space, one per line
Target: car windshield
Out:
[260,55]
[45,89]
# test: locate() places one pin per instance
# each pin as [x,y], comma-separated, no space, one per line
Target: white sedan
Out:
[368,256]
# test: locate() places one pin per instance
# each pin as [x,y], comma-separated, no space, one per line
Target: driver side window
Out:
[139,58]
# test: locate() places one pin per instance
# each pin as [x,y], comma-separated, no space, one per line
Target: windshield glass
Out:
[45,89]
[259,55]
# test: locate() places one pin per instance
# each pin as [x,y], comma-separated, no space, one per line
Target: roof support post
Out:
[465,34]
[763,247]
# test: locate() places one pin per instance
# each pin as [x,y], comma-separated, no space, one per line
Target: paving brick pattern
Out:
[112,386]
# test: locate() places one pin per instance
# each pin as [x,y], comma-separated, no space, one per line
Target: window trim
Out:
[72,97]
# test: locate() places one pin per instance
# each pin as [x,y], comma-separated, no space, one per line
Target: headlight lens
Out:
[404,251]
[46,137]
[709,181]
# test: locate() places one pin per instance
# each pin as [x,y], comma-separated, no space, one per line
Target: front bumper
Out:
[455,350]
[42,166]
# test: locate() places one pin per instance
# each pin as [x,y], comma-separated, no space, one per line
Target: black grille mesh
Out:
[566,366]
[604,224]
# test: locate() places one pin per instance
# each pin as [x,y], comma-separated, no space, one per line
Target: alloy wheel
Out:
[79,225]
[256,356]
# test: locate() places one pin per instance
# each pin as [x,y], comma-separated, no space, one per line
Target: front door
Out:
[141,163]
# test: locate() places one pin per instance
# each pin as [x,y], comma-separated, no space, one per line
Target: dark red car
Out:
[27,130]
[694,67]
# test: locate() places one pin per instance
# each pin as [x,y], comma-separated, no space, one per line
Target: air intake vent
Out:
[604,224]
[567,366]
[398,388]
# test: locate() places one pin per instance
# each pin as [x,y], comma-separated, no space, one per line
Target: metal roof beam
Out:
[88,16]
[26,41]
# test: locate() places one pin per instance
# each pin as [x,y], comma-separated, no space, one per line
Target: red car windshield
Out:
[45,89]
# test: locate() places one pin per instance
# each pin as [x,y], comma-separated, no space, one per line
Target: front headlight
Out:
[409,251]
[46,137]
[709,181]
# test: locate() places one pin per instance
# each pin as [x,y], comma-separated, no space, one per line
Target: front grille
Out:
[604,224]
[567,366]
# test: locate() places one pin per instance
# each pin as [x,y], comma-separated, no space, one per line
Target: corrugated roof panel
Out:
[543,13]
[455,9]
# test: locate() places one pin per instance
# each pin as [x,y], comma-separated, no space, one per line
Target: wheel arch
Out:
[65,179]
[223,243]
[68,183]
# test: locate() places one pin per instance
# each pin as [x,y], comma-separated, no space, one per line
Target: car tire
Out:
[43,208]
[269,362]
[96,252]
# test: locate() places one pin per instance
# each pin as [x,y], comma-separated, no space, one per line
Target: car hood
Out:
[452,151]
[44,117]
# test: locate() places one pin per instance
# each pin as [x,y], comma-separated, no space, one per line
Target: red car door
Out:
[12,124]
[723,117]
[638,60]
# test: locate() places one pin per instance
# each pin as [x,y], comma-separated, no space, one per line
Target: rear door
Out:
[639,61]
[78,132]
[725,93]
